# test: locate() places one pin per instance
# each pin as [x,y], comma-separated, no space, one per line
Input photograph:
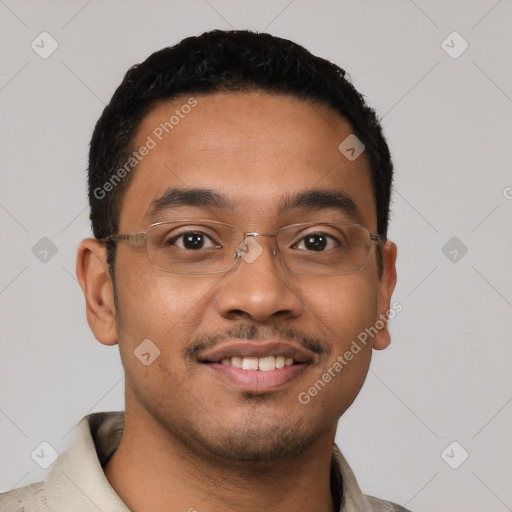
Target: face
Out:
[256,152]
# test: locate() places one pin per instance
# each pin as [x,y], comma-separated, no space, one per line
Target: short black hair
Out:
[223,61]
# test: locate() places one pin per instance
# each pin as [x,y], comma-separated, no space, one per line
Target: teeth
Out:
[250,363]
[263,364]
[237,362]
[266,364]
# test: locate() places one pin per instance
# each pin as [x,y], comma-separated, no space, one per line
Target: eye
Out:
[317,242]
[192,240]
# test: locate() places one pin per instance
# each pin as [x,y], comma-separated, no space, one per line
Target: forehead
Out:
[254,149]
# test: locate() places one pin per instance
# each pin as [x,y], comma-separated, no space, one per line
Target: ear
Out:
[387,284]
[94,278]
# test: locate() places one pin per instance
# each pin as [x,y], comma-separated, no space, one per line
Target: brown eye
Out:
[316,242]
[192,240]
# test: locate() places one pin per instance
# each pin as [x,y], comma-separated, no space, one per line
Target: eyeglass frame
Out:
[134,238]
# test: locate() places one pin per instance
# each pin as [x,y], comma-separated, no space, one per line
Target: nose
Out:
[258,287]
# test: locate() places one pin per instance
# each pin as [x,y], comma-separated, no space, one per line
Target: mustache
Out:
[201,343]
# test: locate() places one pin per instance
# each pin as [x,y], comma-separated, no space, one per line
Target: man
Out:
[239,191]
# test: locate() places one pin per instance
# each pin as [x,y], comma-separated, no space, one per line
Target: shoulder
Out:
[384,506]
[31,498]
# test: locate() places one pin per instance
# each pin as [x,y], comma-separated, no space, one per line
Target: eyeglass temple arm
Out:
[132,239]
[378,238]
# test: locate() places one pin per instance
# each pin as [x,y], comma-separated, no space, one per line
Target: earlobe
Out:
[387,284]
[94,278]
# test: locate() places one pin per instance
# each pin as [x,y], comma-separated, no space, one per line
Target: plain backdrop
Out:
[443,390]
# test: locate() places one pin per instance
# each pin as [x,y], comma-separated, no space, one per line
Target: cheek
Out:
[342,310]
[167,312]
[343,307]
[163,307]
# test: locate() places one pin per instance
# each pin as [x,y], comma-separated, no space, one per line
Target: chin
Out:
[259,434]
[253,441]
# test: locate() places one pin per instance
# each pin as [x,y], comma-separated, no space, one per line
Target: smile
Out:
[263,364]
[257,366]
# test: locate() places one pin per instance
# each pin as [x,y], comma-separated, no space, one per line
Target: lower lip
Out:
[257,381]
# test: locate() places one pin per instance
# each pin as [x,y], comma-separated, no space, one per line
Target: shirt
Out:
[76,481]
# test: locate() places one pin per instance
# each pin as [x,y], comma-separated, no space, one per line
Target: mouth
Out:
[258,366]
[262,364]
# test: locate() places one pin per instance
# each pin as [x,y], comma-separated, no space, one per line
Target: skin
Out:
[191,438]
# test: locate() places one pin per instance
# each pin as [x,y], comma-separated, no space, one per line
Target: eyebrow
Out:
[313,200]
[199,197]
[317,200]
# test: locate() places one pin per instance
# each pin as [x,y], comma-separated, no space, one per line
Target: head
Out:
[244,129]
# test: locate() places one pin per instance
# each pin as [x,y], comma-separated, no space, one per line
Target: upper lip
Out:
[256,348]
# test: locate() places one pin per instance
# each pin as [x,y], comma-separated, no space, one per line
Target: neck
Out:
[153,471]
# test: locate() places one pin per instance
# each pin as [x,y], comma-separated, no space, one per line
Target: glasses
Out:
[211,247]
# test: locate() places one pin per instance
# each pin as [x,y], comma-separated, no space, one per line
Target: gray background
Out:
[446,376]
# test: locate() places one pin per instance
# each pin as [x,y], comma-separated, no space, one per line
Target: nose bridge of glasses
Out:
[249,249]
